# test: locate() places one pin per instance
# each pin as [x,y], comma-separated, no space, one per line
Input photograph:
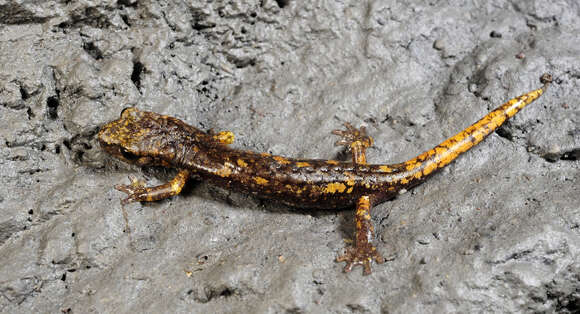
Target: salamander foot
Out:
[353,136]
[136,191]
[356,140]
[361,256]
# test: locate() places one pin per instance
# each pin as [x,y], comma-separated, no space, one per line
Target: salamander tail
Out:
[444,153]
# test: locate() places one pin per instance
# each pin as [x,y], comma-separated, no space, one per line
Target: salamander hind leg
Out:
[363,252]
[138,192]
[356,140]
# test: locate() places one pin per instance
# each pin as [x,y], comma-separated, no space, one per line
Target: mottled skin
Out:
[147,138]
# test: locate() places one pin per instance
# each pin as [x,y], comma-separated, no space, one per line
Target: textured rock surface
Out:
[497,231]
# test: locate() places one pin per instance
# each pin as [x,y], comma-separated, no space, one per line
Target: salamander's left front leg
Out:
[138,192]
[223,137]
[363,252]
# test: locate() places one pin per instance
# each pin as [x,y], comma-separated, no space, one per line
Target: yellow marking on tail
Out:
[450,149]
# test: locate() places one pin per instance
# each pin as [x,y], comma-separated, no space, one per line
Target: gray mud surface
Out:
[496,231]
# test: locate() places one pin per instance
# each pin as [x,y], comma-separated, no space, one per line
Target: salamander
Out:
[147,138]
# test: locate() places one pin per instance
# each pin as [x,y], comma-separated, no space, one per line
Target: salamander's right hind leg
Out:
[356,140]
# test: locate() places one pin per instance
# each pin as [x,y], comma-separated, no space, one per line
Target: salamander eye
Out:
[127,154]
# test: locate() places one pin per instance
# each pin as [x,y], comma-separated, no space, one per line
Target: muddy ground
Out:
[496,231]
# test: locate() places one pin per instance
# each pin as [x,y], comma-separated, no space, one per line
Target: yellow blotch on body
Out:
[281,160]
[301,164]
[385,168]
[226,170]
[261,181]
[351,178]
[334,187]
[242,163]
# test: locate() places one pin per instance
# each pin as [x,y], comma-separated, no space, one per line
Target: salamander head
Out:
[146,138]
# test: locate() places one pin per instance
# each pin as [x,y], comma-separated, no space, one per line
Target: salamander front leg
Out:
[356,140]
[363,252]
[223,137]
[138,192]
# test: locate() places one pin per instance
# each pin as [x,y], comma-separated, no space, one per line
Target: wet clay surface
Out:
[497,230]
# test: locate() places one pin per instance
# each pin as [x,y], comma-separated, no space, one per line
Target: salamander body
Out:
[147,138]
